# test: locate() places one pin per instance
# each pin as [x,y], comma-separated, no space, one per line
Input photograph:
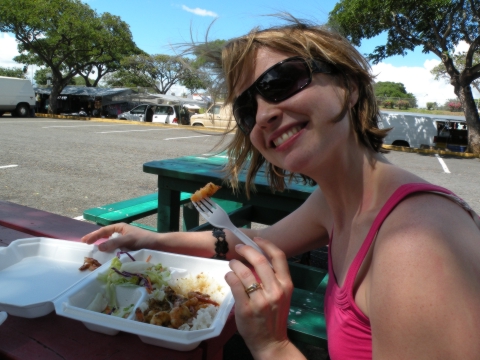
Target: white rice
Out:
[203,320]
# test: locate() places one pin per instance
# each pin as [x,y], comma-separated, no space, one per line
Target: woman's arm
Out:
[423,297]
[300,231]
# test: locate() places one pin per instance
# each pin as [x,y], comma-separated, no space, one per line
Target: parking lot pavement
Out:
[459,175]
[67,166]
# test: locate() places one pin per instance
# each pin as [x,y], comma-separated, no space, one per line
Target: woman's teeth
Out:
[287,135]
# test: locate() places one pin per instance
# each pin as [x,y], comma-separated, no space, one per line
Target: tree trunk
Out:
[471,116]
[54,94]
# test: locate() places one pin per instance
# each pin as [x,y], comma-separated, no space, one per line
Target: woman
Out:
[404,279]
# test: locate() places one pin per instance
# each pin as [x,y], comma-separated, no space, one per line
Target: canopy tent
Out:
[161,99]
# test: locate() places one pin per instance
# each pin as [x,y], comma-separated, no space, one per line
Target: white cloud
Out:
[9,51]
[461,47]
[419,81]
[198,11]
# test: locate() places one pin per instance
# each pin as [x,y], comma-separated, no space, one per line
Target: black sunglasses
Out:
[276,84]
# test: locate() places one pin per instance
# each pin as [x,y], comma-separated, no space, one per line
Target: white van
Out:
[425,130]
[217,116]
[16,96]
[165,114]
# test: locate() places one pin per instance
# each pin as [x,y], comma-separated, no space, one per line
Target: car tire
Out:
[197,124]
[22,110]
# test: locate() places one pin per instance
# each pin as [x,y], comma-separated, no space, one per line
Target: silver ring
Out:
[255,286]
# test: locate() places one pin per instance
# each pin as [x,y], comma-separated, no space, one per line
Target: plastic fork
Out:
[215,215]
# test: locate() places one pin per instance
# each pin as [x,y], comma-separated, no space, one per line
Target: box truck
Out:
[425,130]
[16,96]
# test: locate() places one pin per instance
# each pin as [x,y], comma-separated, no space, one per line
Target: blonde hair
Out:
[310,42]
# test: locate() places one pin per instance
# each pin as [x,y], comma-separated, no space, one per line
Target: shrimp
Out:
[161,318]
[139,315]
[179,316]
[90,264]
[207,191]
[204,298]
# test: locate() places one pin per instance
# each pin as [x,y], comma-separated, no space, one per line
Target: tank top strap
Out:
[399,194]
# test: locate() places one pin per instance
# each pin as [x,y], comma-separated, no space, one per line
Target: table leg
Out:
[168,215]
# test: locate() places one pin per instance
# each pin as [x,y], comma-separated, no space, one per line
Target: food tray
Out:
[43,275]
[35,271]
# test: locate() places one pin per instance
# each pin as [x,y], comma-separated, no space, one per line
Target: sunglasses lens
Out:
[284,80]
[245,111]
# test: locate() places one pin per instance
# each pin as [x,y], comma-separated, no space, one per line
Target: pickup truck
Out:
[216,116]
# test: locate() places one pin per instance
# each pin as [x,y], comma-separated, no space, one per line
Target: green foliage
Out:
[432,105]
[390,89]
[12,72]
[408,24]
[66,36]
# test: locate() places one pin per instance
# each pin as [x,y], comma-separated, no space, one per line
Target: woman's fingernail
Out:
[239,246]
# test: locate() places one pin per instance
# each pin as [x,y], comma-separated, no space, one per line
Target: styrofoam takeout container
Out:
[57,283]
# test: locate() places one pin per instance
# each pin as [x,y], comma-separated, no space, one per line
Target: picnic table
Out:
[187,174]
[57,337]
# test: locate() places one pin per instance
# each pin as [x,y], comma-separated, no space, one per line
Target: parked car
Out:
[165,114]
[424,130]
[16,96]
[216,116]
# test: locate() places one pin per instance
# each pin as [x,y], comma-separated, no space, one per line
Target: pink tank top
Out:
[348,329]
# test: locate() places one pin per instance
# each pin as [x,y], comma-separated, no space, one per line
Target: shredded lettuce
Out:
[157,275]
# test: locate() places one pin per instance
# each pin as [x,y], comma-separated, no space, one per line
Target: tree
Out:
[436,26]
[116,44]
[459,60]
[66,36]
[159,72]
[12,72]
[388,89]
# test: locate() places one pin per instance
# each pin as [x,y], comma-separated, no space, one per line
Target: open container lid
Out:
[35,271]
[42,274]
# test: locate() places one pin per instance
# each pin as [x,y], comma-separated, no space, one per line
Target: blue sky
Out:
[157,25]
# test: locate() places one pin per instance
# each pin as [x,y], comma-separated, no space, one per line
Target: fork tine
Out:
[201,205]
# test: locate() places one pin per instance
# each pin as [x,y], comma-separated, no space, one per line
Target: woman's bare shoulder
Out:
[426,266]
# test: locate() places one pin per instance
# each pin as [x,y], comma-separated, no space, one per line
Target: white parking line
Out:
[7,166]
[79,218]
[36,121]
[187,137]
[108,132]
[72,126]
[444,166]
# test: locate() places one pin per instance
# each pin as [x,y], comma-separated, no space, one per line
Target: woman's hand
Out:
[132,238]
[262,315]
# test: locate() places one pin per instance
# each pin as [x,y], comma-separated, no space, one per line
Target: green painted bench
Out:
[137,208]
